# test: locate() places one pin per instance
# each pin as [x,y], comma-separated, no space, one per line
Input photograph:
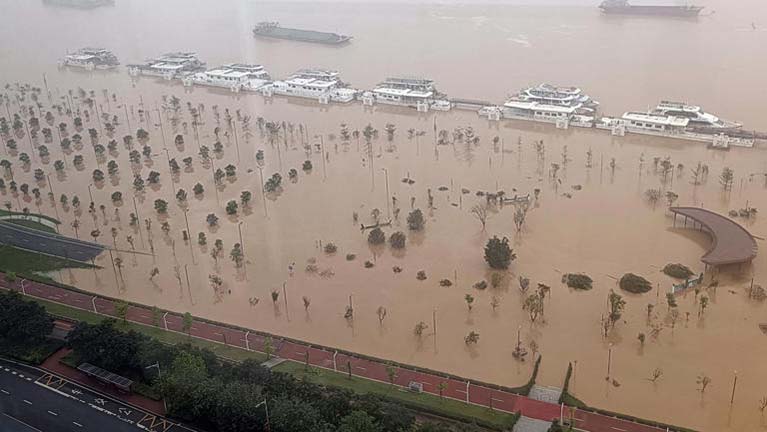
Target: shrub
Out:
[480,285]
[577,281]
[634,284]
[369,264]
[307,166]
[445,283]
[350,257]
[397,240]
[330,248]
[161,206]
[415,220]
[498,253]
[231,208]
[421,275]
[376,237]
[678,271]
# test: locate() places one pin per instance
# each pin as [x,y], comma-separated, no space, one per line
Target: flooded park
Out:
[187,175]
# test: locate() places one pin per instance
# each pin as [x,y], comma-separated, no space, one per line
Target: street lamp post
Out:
[322,149]
[734,383]
[188,285]
[236,141]
[90,193]
[242,244]
[263,191]
[55,207]
[189,233]
[609,360]
[266,408]
[388,211]
[138,222]
[162,129]
[159,374]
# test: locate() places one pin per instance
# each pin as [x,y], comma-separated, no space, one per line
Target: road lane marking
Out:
[19,421]
[4,392]
[618,429]
[27,402]
[52,413]
[77,424]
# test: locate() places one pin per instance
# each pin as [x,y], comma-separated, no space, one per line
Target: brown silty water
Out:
[605,229]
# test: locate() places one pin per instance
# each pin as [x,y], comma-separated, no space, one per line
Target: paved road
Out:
[33,400]
[461,389]
[48,243]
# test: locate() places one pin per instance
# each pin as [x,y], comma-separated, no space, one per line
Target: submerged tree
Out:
[498,253]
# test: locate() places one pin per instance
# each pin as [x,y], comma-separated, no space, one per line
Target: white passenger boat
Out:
[169,66]
[548,94]
[235,77]
[419,93]
[696,115]
[90,59]
[667,126]
[320,84]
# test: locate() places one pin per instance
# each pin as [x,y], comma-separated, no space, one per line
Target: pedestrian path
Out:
[527,424]
[545,394]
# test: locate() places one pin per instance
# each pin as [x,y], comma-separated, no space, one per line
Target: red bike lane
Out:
[461,390]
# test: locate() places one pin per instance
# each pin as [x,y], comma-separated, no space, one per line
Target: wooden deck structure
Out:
[732,244]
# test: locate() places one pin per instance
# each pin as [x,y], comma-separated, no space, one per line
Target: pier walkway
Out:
[732,244]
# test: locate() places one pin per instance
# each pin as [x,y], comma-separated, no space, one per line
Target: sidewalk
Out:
[52,364]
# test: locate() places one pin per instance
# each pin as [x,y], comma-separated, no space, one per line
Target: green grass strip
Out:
[429,403]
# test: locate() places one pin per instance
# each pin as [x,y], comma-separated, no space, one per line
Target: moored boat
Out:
[169,66]
[233,76]
[79,4]
[696,115]
[623,7]
[90,59]
[320,84]
[419,93]
[273,30]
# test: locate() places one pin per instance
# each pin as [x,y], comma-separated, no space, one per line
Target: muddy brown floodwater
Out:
[605,229]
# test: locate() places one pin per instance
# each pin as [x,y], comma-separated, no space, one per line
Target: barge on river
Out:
[79,4]
[623,7]
[274,31]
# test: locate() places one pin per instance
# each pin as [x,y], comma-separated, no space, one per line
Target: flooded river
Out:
[592,220]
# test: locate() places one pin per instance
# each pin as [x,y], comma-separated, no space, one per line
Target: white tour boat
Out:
[419,93]
[235,77]
[547,94]
[324,85]
[696,115]
[90,59]
[169,66]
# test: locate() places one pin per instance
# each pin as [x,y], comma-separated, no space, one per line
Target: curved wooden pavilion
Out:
[732,244]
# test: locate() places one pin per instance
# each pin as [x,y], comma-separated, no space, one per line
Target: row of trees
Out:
[200,389]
